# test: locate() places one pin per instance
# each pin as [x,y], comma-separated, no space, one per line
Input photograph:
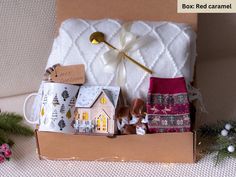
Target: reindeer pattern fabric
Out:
[168,107]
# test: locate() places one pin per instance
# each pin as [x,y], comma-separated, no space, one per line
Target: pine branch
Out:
[11,117]
[10,123]
[17,129]
[207,130]
[224,154]
[213,129]
[4,138]
[221,155]
[233,154]
[212,140]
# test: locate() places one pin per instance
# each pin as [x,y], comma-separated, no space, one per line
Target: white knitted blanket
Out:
[171,52]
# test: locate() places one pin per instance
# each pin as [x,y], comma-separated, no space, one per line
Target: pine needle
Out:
[212,140]
[16,118]
[4,138]
[221,155]
[10,123]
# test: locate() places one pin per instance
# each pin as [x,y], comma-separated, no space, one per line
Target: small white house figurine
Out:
[96,109]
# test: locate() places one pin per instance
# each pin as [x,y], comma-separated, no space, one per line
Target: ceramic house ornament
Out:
[96,109]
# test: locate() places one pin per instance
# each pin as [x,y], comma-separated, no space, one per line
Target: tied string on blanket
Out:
[114,58]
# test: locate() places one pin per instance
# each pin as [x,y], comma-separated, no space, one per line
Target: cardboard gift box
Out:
[161,147]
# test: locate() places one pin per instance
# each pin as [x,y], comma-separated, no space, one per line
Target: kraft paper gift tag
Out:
[72,74]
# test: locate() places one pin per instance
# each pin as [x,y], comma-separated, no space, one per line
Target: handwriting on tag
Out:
[72,74]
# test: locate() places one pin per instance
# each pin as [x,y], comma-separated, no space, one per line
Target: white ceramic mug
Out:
[53,108]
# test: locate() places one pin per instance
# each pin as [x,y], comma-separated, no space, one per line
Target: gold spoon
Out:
[98,37]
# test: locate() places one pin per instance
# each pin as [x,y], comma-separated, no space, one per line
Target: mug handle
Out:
[24,109]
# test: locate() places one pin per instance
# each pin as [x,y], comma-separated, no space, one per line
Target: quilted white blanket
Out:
[171,52]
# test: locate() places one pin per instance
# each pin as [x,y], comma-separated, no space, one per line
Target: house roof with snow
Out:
[89,94]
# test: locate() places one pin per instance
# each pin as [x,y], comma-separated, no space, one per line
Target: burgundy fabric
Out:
[168,107]
[167,85]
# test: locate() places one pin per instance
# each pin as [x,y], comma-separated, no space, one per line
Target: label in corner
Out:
[206,6]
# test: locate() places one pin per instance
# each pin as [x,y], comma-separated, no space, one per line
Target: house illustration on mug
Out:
[96,108]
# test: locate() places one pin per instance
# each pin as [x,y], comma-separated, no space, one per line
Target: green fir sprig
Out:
[11,124]
[219,138]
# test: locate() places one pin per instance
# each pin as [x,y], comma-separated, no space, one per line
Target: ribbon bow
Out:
[114,59]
